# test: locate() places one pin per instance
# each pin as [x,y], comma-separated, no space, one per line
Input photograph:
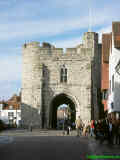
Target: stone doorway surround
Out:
[56,101]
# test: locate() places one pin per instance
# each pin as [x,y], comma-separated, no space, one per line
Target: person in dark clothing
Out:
[95,128]
[116,132]
[30,127]
[92,127]
[110,133]
[119,131]
[105,131]
[68,130]
[99,130]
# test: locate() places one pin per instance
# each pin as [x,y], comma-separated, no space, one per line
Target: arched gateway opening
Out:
[56,103]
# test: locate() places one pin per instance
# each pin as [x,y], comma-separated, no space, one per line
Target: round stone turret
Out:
[31,84]
[32,70]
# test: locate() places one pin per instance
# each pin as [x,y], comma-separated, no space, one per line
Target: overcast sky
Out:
[60,22]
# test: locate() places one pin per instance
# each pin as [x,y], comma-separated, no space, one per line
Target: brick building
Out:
[106,41]
[114,72]
[110,82]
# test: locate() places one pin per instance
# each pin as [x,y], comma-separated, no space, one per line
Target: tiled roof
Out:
[116,34]
[106,43]
[13,101]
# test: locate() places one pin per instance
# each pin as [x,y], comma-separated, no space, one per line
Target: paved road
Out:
[45,148]
[24,145]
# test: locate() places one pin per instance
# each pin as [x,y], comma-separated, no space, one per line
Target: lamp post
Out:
[40,114]
[31,121]
[0,109]
[63,121]
[16,118]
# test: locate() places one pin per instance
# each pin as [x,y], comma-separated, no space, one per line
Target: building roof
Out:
[106,43]
[116,34]
[13,101]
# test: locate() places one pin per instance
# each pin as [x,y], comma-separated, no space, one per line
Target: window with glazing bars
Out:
[63,75]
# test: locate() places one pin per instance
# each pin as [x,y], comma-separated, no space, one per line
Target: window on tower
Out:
[63,74]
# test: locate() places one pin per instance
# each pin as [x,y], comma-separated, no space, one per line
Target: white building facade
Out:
[114,75]
[10,116]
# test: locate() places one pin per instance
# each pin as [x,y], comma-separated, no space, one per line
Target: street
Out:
[44,148]
[52,148]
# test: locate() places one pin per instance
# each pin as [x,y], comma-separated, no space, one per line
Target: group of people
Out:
[106,129]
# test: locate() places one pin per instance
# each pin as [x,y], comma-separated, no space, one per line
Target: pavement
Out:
[104,148]
[36,132]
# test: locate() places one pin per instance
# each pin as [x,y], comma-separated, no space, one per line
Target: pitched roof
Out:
[106,43]
[116,34]
[13,101]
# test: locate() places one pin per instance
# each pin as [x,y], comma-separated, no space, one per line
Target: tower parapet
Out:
[90,39]
[47,45]
[31,44]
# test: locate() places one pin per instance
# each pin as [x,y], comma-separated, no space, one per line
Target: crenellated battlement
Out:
[71,50]
[50,51]
[86,49]
[31,44]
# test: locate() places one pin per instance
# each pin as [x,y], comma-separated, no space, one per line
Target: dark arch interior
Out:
[57,101]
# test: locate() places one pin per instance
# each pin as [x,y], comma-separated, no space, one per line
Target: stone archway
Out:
[55,103]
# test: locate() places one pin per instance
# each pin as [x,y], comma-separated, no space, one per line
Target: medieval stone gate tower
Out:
[51,77]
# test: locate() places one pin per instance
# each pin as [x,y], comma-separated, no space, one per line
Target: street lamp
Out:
[0,109]
[30,125]
[69,112]
[39,113]
[63,121]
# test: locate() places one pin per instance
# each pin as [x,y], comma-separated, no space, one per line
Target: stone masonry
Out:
[41,79]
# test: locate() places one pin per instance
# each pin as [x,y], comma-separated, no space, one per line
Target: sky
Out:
[59,22]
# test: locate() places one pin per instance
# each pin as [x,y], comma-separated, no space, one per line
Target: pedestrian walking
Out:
[110,136]
[68,130]
[95,128]
[119,131]
[116,132]
[30,127]
[73,125]
[105,131]
[92,128]
[79,125]
[99,130]
[84,133]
